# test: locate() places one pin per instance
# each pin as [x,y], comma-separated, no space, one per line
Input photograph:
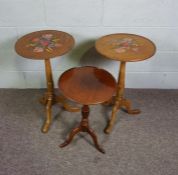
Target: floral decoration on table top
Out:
[125,44]
[46,42]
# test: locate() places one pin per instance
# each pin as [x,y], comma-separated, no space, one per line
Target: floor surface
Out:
[144,144]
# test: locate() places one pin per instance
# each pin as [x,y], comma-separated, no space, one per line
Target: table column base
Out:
[83,127]
[119,101]
[49,100]
[124,104]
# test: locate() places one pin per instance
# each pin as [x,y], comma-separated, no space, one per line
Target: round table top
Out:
[125,47]
[44,44]
[87,85]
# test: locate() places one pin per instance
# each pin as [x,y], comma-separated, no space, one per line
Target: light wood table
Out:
[86,86]
[44,45]
[124,47]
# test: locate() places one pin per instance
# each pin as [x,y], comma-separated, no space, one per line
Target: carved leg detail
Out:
[93,135]
[113,118]
[48,118]
[71,136]
[127,105]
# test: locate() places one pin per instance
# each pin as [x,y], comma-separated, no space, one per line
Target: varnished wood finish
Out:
[66,43]
[87,86]
[83,127]
[107,45]
[140,49]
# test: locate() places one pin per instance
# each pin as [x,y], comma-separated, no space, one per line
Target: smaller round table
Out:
[124,47]
[87,86]
[44,45]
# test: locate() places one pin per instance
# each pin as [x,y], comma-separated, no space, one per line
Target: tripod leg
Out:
[71,136]
[48,98]
[119,96]
[93,135]
[48,118]
[128,109]
[113,118]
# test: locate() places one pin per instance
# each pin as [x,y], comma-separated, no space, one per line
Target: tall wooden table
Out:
[124,47]
[44,45]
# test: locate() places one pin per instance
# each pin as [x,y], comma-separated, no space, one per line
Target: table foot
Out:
[121,103]
[127,105]
[45,127]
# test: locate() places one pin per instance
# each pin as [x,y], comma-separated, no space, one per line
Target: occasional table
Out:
[44,45]
[86,86]
[124,47]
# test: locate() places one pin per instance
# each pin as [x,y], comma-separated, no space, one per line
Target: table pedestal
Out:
[51,99]
[83,127]
[120,101]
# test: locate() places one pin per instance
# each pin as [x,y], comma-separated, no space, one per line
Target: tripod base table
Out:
[44,45]
[87,86]
[125,48]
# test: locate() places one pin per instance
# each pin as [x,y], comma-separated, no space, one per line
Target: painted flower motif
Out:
[38,49]
[35,39]
[58,45]
[124,45]
[120,50]
[135,49]
[46,42]
[47,36]
[52,45]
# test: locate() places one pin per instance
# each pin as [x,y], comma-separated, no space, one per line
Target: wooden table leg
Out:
[83,127]
[47,122]
[50,98]
[119,100]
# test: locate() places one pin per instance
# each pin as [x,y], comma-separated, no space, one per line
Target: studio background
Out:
[86,21]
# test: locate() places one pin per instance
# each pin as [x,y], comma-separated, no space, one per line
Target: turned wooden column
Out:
[49,97]
[119,96]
